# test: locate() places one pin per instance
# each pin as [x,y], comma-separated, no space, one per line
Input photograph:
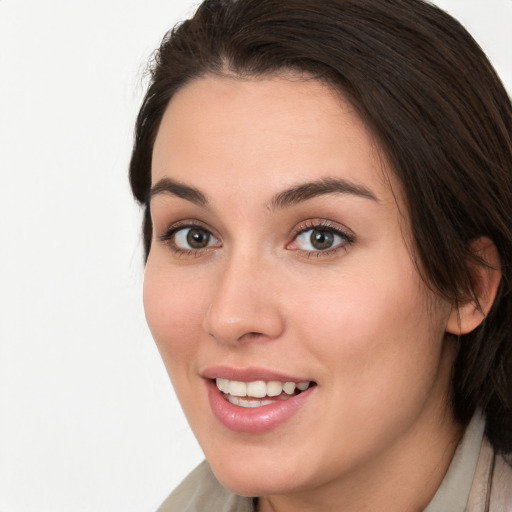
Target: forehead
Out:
[231,135]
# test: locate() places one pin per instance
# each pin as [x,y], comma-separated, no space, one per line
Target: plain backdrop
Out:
[88,419]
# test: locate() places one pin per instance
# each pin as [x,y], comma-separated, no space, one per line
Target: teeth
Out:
[274,388]
[248,403]
[289,388]
[258,389]
[237,388]
[223,385]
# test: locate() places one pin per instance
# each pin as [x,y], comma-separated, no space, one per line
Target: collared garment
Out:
[477,480]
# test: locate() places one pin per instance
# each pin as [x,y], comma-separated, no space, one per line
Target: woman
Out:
[327,191]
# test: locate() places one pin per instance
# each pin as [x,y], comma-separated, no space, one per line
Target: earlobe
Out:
[486,278]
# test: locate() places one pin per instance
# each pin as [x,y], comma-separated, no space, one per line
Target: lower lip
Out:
[254,420]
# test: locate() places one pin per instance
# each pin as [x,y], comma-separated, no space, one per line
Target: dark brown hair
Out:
[438,110]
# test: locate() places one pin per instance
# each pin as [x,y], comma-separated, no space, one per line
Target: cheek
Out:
[380,358]
[174,313]
[377,332]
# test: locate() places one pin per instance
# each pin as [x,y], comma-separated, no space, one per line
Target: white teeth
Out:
[258,389]
[289,388]
[223,385]
[248,403]
[274,388]
[237,388]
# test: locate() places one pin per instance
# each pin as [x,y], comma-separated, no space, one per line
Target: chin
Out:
[260,475]
[247,482]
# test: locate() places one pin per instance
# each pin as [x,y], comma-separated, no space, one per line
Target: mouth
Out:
[259,393]
[254,400]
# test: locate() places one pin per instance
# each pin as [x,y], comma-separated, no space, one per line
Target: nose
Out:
[246,302]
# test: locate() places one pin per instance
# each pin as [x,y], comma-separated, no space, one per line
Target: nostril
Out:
[250,336]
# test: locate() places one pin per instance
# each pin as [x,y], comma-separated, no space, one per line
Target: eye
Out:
[320,239]
[317,240]
[187,239]
[193,238]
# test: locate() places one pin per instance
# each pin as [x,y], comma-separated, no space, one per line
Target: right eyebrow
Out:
[324,186]
[177,189]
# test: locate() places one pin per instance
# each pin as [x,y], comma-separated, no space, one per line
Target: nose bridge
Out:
[245,301]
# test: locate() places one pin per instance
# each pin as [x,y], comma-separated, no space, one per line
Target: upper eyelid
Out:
[184,224]
[325,224]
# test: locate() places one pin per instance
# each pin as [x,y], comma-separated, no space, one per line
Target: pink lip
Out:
[253,420]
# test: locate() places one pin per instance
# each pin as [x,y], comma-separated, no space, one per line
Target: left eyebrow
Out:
[178,189]
[309,190]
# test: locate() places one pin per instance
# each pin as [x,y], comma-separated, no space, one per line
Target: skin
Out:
[377,433]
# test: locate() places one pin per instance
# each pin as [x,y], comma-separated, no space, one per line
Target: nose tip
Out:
[244,308]
[237,329]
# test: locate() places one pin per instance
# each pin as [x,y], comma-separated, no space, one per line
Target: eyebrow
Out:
[321,187]
[177,189]
[284,199]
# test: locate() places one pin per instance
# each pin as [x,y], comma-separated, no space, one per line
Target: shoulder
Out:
[501,490]
[492,484]
[201,491]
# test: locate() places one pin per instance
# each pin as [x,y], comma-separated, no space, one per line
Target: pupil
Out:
[321,239]
[198,238]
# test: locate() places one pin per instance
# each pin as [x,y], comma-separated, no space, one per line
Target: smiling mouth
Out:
[259,393]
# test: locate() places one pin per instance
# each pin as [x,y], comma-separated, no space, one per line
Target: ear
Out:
[486,279]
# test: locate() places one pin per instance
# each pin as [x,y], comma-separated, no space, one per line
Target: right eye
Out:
[193,238]
[190,238]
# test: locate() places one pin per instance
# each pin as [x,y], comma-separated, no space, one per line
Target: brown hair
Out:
[439,111]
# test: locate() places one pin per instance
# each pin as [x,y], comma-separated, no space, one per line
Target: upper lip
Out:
[248,374]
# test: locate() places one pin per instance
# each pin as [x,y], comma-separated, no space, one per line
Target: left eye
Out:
[193,238]
[319,239]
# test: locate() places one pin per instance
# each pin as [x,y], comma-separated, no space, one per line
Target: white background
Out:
[88,420]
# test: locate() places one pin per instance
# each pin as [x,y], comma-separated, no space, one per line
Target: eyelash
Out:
[168,238]
[326,226]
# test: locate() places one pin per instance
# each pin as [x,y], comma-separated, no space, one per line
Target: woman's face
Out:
[280,256]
